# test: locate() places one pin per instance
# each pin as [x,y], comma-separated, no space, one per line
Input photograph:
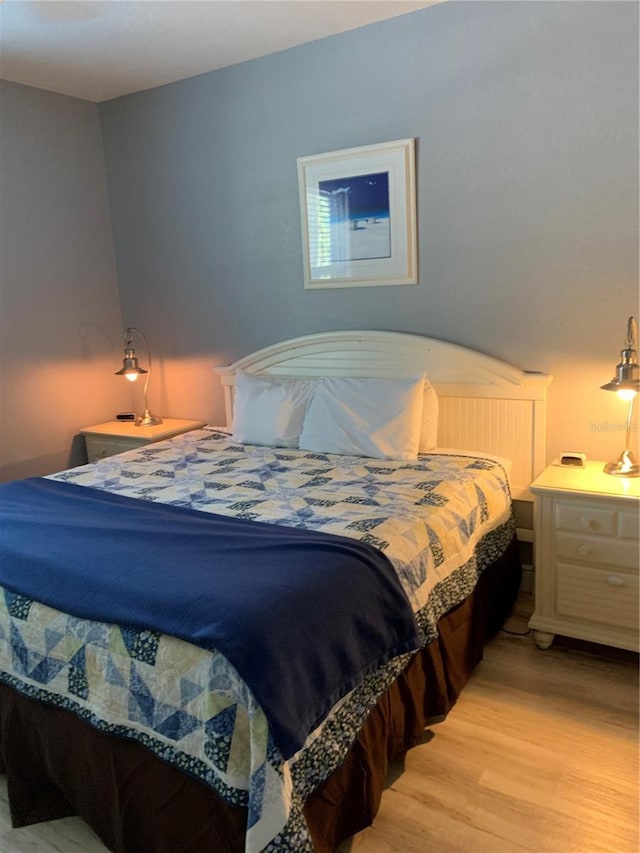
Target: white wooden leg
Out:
[543,639]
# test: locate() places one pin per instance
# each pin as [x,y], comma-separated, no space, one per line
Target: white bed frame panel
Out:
[485,404]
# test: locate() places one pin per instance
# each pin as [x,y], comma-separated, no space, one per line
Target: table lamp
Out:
[131,369]
[626,383]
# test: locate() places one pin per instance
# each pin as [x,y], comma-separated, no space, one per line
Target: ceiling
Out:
[101,49]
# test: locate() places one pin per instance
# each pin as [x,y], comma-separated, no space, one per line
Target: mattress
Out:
[440,520]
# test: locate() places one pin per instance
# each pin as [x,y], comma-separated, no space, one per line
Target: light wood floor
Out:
[540,754]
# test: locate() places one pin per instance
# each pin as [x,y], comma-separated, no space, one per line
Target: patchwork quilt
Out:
[440,520]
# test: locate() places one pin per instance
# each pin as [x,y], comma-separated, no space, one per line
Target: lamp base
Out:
[148,419]
[624,466]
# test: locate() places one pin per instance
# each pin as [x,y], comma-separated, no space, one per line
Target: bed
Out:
[160,742]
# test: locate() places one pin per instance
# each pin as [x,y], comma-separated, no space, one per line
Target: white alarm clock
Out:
[571,459]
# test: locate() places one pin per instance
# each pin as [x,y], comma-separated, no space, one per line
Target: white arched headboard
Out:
[485,404]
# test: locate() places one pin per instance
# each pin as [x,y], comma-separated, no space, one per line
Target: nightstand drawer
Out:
[597,550]
[101,448]
[596,595]
[587,519]
[629,525]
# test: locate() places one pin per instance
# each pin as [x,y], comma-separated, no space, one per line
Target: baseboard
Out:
[528,579]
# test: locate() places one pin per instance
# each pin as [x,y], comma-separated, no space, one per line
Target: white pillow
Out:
[269,411]
[380,418]
[430,408]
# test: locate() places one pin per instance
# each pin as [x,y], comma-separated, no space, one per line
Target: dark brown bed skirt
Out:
[57,765]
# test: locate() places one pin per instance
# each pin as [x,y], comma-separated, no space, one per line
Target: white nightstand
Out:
[586,556]
[114,437]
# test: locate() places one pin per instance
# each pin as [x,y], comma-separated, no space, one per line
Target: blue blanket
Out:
[301,615]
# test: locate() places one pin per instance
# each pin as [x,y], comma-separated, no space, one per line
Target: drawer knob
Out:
[615,580]
[584,522]
[584,550]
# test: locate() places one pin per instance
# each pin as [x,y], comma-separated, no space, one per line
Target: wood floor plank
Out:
[540,754]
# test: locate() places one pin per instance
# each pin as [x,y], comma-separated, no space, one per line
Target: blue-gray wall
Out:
[526,121]
[60,320]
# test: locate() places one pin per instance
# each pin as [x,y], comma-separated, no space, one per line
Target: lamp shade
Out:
[130,367]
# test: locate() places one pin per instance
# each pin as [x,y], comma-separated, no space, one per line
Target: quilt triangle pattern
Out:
[141,644]
[52,637]
[142,705]
[177,725]
[78,683]
[189,690]
[17,605]
[219,731]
